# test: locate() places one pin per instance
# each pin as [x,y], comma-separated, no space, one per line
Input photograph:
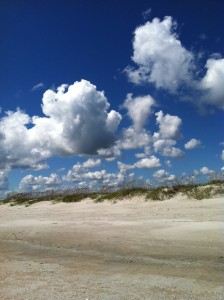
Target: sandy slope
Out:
[129,250]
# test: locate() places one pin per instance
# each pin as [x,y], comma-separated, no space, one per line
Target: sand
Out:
[132,249]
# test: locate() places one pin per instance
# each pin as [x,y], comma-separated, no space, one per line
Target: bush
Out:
[200,193]
[120,194]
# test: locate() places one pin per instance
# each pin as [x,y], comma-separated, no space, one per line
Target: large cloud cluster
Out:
[162,60]
[76,121]
[38,183]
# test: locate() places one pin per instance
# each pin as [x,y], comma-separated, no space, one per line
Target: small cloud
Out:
[163,176]
[140,155]
[222,155]
[37,86]
[148,163]
[146,14]
[168,163]
[205,171]
[193,143]
[92,163]
[60,170]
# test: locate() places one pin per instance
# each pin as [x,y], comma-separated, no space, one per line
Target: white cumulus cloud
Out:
[133,140]
[166,148]
[159,55]
[162,60]
[169,126]
[193,143]
[211,85]
[77,121]
[39,183]
[169,132]
[205,171]
[151,162]
[92,163]
[163,176]
[139,109]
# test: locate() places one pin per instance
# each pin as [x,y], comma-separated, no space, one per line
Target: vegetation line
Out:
[126,190]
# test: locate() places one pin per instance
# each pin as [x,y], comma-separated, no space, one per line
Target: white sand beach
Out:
[172,249]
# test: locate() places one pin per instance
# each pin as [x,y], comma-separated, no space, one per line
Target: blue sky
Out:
[94,92]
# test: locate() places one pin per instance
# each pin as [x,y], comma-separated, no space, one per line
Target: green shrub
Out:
[120,194]
[74,198]
[200,193]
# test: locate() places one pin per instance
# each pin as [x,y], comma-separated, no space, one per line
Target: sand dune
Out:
[132,249]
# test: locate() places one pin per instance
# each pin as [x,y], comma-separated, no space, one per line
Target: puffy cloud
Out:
[166,148]
[99,175]
[123,168]
[140,155]
[147,150]
[163,176]
[222,169]
[205,171]
[133,140]
[160,173]
[212,85]
[147,163]
[110,153]
[113,120]
[92,163]
[79,119]
[75,174]
[17,147]
[80,173]
[169,126]
[139,110]
[169,132]
[3,181]
[162,60]
[152,162]
[193,143]
[39,183]
[76,121]
[160,57]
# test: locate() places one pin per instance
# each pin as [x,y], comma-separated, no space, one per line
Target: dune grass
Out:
[127,190]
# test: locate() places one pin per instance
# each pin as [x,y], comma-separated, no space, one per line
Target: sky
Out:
[100,92]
